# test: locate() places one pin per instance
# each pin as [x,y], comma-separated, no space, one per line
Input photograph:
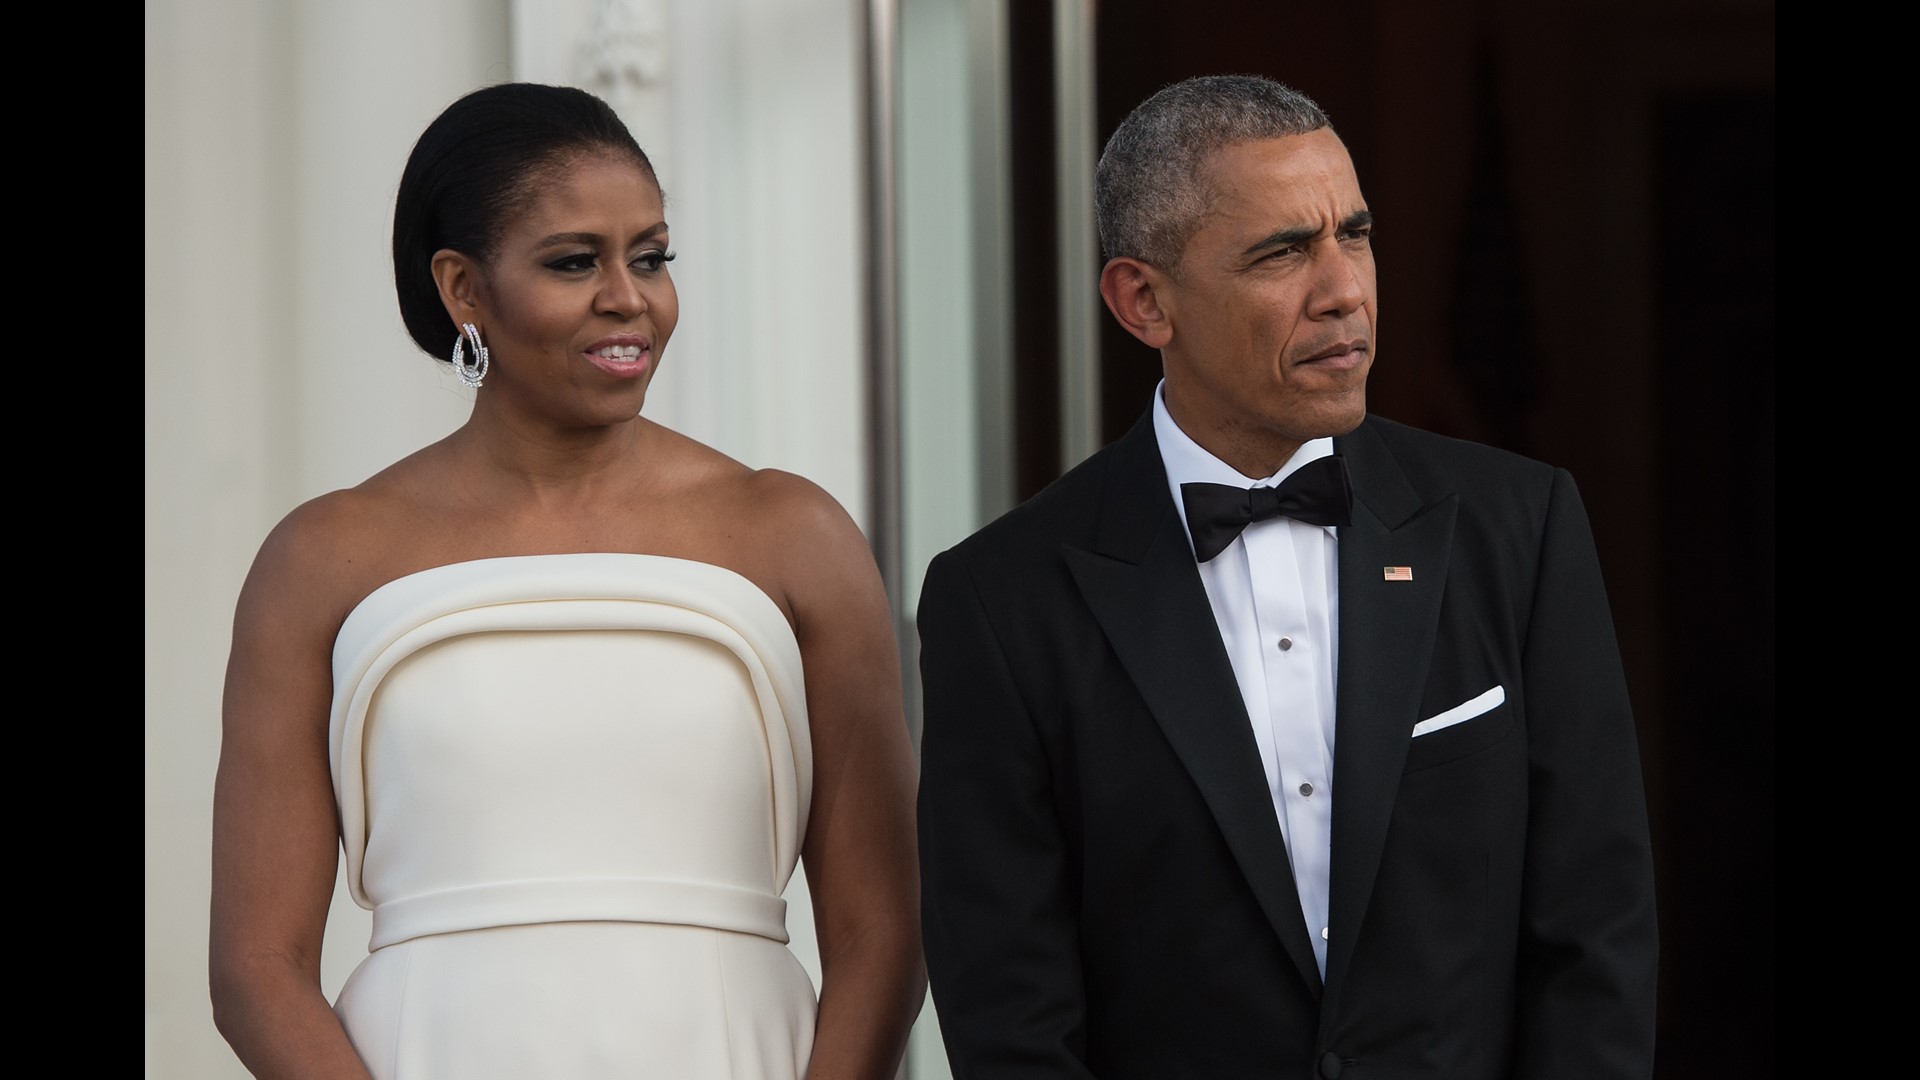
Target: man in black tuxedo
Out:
[1277,740]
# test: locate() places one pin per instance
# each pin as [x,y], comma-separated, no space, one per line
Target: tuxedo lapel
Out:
[1388,622]
[1143,587]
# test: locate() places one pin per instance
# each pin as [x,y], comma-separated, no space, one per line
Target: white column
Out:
[214,222]
[369,77]
[276,369]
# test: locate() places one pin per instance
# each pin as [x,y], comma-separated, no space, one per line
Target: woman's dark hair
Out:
[478,163]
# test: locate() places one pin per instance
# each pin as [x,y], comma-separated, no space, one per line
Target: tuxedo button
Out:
[1286,643]
[1306,789]
[1330,1065]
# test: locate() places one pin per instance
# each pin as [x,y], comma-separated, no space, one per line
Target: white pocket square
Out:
[1466,710]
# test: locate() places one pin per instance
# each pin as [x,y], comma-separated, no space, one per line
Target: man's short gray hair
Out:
[1150,191]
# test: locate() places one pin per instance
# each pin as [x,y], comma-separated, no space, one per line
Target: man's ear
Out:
[1131,289]
[459,280]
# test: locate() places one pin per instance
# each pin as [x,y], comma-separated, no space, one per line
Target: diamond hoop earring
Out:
[470,375]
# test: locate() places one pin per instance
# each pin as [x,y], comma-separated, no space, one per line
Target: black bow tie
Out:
[1317,493]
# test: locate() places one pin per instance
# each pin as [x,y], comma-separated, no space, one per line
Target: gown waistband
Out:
[519,903]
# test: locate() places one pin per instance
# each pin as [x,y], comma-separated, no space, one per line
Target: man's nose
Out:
[1342,288]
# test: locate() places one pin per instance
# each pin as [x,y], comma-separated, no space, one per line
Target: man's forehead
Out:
[1294,180]
[1317,158]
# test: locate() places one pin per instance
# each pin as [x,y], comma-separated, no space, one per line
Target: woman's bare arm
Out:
[859,847]
[275,831]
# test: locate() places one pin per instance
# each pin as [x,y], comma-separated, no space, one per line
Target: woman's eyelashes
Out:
[650,261]
[573,264]
[653,260]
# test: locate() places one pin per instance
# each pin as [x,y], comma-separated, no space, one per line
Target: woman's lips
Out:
[621,358]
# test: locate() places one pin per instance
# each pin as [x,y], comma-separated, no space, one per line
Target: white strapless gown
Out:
[572,789]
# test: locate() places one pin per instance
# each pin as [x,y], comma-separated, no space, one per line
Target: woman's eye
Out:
[572,263]
[653,261]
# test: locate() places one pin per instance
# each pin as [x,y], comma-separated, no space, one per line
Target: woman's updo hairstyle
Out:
[477,164]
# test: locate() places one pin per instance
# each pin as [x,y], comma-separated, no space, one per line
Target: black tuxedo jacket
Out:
[1106,889]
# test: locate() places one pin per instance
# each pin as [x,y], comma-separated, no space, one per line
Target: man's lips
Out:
[1344,354]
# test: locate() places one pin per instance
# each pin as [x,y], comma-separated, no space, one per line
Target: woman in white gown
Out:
[573,693]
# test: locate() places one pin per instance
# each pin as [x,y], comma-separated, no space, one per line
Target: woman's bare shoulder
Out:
[688,460]
[819,551]
[786,533]
[330,551]
[739,495]
[310,565]
[801,505]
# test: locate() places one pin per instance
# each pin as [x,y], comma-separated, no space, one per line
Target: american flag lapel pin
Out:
[1398,573]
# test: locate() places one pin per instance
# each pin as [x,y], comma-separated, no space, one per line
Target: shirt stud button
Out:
[1286,643]
[1306,789]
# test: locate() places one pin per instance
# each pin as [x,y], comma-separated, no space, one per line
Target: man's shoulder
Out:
[1066,511]
[1503,504]
[1436,464]
[1415,446]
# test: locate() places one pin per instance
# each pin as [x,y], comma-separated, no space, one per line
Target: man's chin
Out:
[1337,418]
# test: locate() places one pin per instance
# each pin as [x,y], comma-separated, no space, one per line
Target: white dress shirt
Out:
[1275,596]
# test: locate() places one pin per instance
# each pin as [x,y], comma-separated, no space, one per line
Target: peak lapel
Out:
[1143,588]
[1387,628]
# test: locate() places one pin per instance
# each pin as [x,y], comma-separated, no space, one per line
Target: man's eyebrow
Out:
[1359,219]
[1286,237]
